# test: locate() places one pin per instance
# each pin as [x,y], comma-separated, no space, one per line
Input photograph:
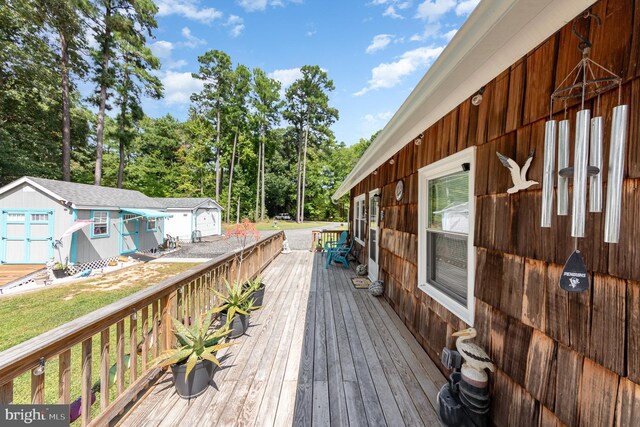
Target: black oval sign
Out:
[574,276]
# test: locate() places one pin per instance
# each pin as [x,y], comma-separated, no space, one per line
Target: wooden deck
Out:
[11,272]
[319,352]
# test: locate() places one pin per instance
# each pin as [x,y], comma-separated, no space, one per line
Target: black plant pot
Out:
[238,326]
[59,274]
[258,296]
[198,379]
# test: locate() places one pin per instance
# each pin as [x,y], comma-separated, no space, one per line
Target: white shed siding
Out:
[180,224]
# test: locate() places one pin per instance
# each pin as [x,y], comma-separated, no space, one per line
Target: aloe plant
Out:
[236,300]
[195,344]
[254,285]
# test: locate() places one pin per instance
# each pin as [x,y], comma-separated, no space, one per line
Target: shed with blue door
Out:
[91,222]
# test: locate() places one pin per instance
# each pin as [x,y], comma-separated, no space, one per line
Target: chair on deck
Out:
[330,245]
[340,255]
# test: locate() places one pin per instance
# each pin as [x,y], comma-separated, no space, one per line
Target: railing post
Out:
[104,368]
[86,382]
[167,332]
[37,387]
[155,335]
[6,393]
[64,377]
[145,337]
[120,356]
[133,347]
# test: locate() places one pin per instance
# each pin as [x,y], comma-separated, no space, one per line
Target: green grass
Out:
[29,315]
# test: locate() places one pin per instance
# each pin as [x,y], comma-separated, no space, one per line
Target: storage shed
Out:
[91,222]
[191,214]
[562,358]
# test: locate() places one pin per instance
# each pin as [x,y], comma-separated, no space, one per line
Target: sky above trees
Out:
[375,51]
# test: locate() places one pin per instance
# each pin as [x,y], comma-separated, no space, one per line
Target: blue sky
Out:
[375,51]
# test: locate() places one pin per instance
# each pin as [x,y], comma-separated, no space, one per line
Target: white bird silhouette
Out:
[519,176]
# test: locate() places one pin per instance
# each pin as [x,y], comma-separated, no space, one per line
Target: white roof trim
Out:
[496,35]
[26,180]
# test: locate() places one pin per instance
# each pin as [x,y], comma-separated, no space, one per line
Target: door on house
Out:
[26,237]
[129,233]
[374,233]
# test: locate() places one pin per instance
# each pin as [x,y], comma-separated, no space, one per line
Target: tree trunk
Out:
[66,109]
[304,172]
[218,155]
[103,94]
[233,159]
[298,181]
[262,179]
[257,216]
[121,134]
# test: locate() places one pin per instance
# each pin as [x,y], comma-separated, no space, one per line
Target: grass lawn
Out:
[28,315]
[286,225]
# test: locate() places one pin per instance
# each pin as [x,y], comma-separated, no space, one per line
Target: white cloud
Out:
[387,75]
[175,65]
[162,49]
[391,13]
[430,30]
[432,10]
[311,33]
[286,77]
[237,25]
[379,42]
[188,9]
[255,5]
[465,7]
[449,34]
[191,40]
[377,118]
[178,87]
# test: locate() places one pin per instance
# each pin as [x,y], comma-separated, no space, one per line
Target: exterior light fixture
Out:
[418,140]
[39,370]
[477,98]
[391,161]
[375,172]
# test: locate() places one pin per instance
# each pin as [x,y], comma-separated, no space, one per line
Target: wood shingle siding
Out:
[562,359]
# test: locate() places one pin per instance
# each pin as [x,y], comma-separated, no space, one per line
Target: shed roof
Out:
[495,36]
[184,202]
[85,195]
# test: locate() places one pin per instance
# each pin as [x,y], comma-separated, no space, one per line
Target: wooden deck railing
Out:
[147,317]
[324,236]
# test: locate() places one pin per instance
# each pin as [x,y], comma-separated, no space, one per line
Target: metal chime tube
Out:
[547,178]
[616,170]
[595,154]
[563,162]
[580,159]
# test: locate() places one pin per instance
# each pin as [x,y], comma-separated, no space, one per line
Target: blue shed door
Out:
[26,237]
[129,228]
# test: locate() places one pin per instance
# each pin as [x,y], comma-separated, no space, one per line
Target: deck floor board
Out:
[320,352]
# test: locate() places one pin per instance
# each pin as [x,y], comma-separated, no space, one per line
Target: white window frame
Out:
[100,222]
[447,166]
[358,215]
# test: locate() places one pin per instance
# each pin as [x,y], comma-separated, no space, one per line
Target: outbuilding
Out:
[41,219]
[191,215]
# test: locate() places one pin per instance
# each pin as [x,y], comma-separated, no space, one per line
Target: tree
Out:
[216,73]
[237,117]
[121,21]
[266,104]
[308,110]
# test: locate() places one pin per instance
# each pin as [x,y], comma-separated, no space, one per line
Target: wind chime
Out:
[586,80]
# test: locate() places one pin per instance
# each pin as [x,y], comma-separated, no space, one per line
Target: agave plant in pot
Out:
[235,308]
[192,361]
[256,287]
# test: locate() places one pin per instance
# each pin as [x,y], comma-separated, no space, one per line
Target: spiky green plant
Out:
[236,300]
[194,344]
[254,285]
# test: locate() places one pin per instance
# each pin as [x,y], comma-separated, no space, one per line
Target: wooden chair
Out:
[340,255]
[330,245]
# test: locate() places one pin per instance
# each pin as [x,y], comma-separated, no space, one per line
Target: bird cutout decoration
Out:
[518,175]
[476,360]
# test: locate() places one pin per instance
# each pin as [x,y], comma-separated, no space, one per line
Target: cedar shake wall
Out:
[562,358]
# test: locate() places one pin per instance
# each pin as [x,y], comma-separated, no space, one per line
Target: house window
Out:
[39,217]
[359,219]
[129,217]
[446,256]
[152,224]
[15,217]
[100,224]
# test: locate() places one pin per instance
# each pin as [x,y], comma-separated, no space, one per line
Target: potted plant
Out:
[235,309]
[192,361]
[59,270]
[256,287]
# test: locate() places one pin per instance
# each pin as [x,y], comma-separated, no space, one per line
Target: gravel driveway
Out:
[214,246]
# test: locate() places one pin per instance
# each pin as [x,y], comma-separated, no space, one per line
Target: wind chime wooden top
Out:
[586,80]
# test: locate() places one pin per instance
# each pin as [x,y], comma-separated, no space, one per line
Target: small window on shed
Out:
[100,224]
[39,217]
[15,217]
